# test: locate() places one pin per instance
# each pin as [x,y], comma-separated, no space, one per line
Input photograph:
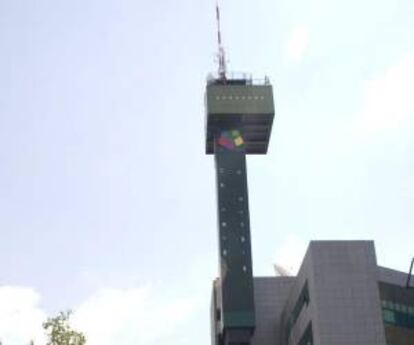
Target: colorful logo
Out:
[231,140]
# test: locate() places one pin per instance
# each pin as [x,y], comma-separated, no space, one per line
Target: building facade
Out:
[340,296]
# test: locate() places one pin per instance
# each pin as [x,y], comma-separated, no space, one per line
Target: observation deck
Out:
[243,103]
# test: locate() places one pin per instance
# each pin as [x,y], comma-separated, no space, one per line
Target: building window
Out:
[307,337]
[388,316]
[303,301]
[398,314]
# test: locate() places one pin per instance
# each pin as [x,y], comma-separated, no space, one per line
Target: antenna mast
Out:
[221,54]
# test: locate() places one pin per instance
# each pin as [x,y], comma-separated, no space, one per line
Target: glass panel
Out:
[389,316]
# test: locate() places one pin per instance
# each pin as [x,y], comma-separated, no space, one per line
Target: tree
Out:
[59,331]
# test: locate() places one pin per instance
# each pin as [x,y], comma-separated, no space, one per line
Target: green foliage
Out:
[59,331]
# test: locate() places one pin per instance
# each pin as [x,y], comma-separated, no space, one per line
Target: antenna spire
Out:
[221,53]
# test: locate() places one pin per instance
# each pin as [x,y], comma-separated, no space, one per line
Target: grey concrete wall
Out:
[344,306]
[271,294]
[345,293]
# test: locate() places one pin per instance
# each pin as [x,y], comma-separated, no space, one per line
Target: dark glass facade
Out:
[397,304]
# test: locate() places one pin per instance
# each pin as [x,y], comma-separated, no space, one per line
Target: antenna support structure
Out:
[410,273]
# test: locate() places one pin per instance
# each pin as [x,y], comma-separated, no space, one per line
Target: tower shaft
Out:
[236,277]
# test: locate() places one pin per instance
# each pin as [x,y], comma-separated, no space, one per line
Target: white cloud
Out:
[132,316]
[298,43]
[108,317]
[20,316]
[388,100]
[290,254]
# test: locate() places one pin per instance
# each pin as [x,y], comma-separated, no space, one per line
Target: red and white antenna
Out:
[221,54]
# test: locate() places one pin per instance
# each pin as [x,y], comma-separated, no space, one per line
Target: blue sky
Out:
[107,201]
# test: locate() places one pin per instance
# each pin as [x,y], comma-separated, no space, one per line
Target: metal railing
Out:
[247,78]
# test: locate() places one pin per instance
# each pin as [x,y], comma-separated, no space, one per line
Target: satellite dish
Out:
[282,271]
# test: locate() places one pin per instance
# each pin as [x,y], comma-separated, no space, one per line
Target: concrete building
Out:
[340,296]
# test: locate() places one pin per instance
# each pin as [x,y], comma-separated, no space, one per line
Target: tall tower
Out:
[240,113]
